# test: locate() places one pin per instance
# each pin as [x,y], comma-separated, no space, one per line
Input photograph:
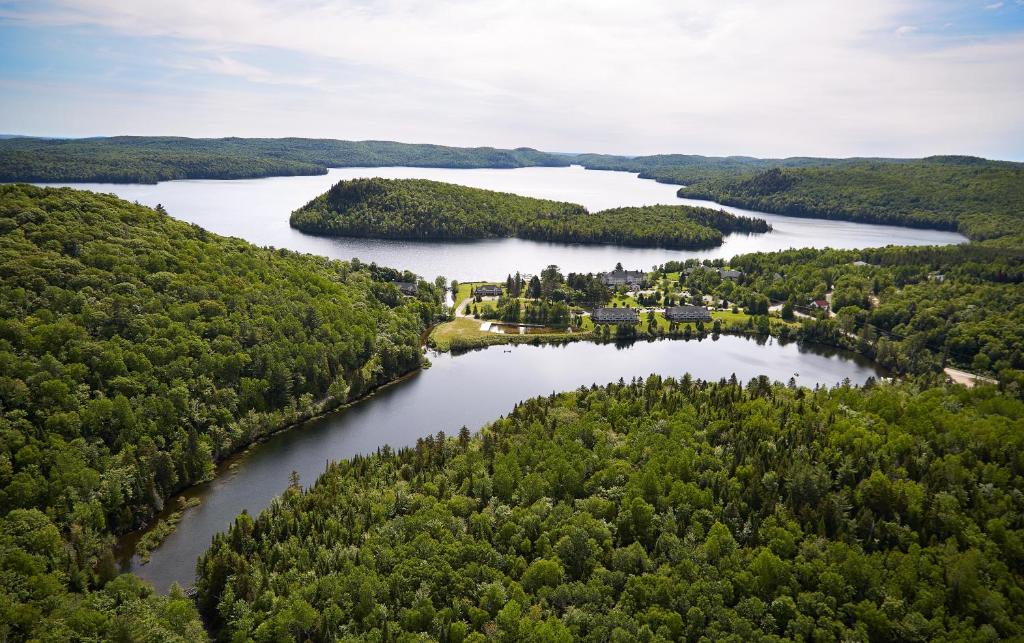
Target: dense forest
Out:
[135,352]
[655,510]
[148,159]
[981,198]
[431,210]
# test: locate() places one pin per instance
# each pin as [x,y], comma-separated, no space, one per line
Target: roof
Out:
[488,289]
[406,287]
[614,316]
[623,276]
[687,313]
[821,303]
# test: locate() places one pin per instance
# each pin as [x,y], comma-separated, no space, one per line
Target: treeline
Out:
[912,309]
[655,510]
[136,351]
[431,210]
[148,159]
[982,199]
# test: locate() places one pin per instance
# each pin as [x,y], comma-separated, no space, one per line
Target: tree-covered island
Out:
[419,209]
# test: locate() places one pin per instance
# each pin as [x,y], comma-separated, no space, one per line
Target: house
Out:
[488,290]
[861,264]
[615,316]
[687,314]
[623,278]
[820,304]
[407,288]
[725,273]
[937,277]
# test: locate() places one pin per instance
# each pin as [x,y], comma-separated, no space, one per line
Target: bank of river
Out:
[257,210]
[468,390]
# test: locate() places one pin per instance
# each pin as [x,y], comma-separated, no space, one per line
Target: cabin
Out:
[615,316]
[937,277]
[407,288]
[488,290]
[820,304]
[687,314]
[860,264]
[623,278]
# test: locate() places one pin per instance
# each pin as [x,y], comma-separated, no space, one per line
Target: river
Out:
[467,390]
[257,210]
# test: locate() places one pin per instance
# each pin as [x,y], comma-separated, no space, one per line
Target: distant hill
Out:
[148,159]
[421,209]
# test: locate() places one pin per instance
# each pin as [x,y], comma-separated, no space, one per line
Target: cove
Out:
[257,210]
[470,390]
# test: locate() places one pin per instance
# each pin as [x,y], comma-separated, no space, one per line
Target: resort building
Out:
[687,314]
[623,278]
[615,316]
[488,290]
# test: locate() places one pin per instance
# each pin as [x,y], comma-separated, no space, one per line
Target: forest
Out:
[981,198]
[654,510]
[137,351]
[149,159]
[431,210]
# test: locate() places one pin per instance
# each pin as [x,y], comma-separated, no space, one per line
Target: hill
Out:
[654,510]
[981,198]
[430,210]
[148,159]
[137,351]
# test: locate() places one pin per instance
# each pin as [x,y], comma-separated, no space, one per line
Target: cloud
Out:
[792,77]
[994,6]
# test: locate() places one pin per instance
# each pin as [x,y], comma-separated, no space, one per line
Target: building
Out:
[488,290]
[937,277]
[615,316]
[861,264]
[623,278]
[407,288]
[820,304]
[723,273]
[687,314]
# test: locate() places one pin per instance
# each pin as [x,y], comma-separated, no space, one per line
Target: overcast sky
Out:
[780,78]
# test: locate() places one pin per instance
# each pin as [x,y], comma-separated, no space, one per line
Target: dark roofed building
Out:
[407,288]
[725,273]
[615,316]
[687,314]
[623,277]
[488,290]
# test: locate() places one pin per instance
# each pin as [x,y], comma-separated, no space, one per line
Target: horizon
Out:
[903,79]
[9,136]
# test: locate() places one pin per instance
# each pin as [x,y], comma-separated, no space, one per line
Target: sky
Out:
[901,78]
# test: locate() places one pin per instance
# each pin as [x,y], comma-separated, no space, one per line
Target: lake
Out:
[468,390]
[257,210]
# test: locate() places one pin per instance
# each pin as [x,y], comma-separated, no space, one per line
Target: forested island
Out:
[149,159]
[419,209]
[137,351]
[660,509]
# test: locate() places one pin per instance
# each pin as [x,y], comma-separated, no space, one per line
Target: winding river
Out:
[473,388]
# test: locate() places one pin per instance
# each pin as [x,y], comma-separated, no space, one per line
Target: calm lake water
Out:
[257,210]
[468,390]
